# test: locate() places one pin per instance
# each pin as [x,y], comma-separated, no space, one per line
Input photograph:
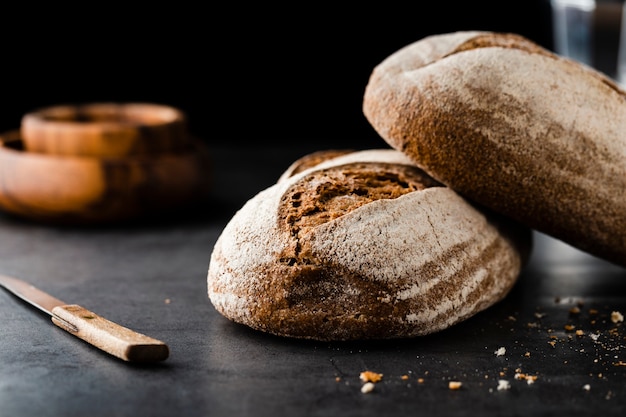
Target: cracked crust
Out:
[311,160]
[514,127]
[362,246]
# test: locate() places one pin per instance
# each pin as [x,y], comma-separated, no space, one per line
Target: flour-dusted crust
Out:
[312,159]
[362,246]
[506,123]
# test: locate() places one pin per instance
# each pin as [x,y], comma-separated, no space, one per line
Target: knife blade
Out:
[119,341]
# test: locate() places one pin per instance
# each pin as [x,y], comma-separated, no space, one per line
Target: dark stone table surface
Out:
[151,277]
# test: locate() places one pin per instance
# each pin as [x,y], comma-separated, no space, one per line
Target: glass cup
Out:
[589,31]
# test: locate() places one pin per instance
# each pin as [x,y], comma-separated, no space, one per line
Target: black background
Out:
[249,75]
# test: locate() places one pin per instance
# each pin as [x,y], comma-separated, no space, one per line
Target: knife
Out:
[110,337]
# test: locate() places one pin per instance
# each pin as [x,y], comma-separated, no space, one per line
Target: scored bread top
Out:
[361,246]
[327,194]
[311,160]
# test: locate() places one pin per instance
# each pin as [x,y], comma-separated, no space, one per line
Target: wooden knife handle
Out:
[117,340]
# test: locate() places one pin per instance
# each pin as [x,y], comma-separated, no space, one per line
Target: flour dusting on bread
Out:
[362,246]
[508,124]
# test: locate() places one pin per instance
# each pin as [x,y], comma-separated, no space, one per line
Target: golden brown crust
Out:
[312,159]
[508,124]
[364,246]
[501,40]
[325,195]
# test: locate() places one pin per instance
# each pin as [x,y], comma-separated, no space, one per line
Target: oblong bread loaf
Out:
[362,246]
[514,127]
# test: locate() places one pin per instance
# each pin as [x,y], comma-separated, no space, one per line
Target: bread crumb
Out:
[420,380]
[586,387]
[369,376]
[500,352]
[569,327]
[454,385]
[580,333]
[404,377]
[503,385]
[367,387]
[617,317]
[530,379]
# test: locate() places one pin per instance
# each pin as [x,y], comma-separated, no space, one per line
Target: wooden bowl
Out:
[73,189]
[105,129]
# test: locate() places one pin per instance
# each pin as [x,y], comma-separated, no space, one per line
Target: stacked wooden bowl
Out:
[101,162]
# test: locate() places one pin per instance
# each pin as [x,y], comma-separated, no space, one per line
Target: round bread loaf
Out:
[514,127]
[362,246]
